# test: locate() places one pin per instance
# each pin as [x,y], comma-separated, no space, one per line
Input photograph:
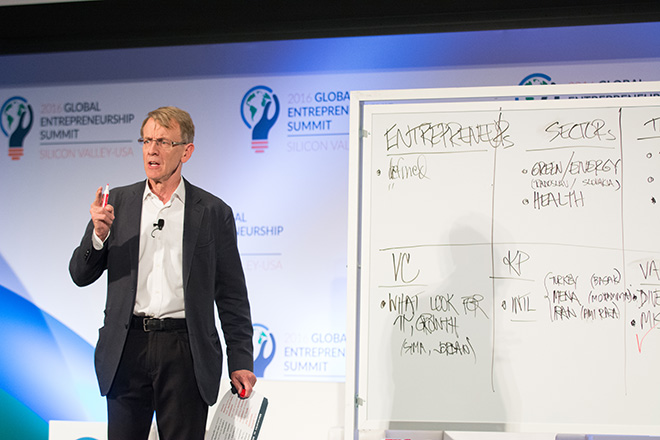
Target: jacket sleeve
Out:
[87,264]
[232,298]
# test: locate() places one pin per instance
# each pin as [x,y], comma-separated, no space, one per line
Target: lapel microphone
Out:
[159,225]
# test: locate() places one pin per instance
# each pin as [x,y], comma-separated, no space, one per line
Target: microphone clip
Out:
[159,225]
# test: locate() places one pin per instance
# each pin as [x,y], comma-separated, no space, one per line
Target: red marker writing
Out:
[106,194]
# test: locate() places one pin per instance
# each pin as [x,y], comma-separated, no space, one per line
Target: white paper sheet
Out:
[238,419]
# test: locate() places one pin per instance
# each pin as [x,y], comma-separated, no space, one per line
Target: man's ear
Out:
[187,153]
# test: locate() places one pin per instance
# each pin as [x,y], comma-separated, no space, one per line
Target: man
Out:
[171,253]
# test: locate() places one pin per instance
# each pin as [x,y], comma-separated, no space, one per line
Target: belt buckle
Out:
[149,324]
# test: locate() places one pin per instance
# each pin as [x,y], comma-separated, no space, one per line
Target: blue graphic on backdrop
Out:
[261,338]
[255,111]
[536,79]
[13,122]
[46,369]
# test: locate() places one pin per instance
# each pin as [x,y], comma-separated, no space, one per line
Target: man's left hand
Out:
[244,381]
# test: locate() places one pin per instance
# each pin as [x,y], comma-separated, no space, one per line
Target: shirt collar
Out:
[179,193]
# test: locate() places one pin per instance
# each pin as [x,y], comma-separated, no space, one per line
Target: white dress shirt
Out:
[160,264]
[160,267]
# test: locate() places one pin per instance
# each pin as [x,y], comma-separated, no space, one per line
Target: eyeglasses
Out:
[160,142]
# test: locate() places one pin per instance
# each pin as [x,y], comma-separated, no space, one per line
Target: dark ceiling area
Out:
[111,24]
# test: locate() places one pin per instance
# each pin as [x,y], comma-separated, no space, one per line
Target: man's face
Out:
[161,162]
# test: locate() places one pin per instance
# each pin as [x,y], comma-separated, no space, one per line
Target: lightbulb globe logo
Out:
[536,79]
[260,109]
[264,345]
[16,118]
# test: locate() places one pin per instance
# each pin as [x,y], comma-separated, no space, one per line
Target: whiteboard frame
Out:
[358,101]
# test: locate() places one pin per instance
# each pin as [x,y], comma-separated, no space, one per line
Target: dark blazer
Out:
[212,273]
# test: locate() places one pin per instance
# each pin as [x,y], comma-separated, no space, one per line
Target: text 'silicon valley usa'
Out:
[16,119]
[259,110]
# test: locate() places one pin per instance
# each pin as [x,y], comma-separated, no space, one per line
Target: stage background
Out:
[289,196]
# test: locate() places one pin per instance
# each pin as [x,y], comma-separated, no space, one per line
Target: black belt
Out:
[148,324]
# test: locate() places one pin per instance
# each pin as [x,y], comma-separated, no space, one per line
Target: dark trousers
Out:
[156,374]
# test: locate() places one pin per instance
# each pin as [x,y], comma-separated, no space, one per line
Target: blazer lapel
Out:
[133,209]
[192,219]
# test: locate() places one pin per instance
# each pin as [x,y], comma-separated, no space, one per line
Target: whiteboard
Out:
[504,259]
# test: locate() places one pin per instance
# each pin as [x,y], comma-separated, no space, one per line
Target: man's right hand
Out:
[102,216]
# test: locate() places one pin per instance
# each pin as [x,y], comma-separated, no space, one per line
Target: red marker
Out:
[106,194]
[243,393]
